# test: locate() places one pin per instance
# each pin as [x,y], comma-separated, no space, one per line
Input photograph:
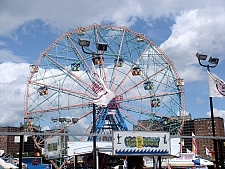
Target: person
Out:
[90,162]
[125,163]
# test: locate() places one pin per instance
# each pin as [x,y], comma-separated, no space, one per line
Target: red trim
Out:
[219,90]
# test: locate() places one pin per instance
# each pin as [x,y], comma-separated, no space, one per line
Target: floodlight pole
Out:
[214,133]
[103,47]
[213,130]
[211,109]
[21,149]
[94,122]
[94,138]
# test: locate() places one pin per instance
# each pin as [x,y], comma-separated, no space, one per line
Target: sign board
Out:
[184,160]
[84,147]
[141,143]
[175,144]
[53,147]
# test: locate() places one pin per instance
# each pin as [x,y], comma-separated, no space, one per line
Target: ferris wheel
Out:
[147,91]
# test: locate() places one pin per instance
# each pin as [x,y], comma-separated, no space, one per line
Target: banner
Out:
[196,161]
[194,145]
[2,152]
[207,152]
[216,86]
[188,151]
[102,95]
[168,166]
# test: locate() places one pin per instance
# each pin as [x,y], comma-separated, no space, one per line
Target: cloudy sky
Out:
[179,28]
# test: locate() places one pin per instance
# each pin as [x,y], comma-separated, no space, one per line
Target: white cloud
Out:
[10,72]
[197,30]
[2,43]
[9,56]
[200,100]
[13,79]
[45,128]
[66,15]
[217,113]
[191,73]
[198,25]
[185,113]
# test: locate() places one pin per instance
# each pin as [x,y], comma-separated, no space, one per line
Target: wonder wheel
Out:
[147,91]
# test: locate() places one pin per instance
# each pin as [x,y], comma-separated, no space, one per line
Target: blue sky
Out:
[179,28]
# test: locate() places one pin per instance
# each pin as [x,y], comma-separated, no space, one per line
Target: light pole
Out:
[21,147]
[102,47]
[68,120]
[212,62]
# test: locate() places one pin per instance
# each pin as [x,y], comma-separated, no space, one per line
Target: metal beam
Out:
[79,134]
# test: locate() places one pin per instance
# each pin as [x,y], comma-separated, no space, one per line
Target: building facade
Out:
[11,144]
[7,143]
[188,129]
[203,127]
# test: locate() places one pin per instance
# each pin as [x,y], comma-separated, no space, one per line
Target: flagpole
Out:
[213,63]
[214,133]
